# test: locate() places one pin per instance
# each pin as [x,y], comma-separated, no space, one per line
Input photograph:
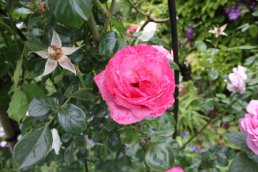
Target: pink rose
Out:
[169,55]
[137,83]
[175,169]
[131,29]
[237,80]
[249,126]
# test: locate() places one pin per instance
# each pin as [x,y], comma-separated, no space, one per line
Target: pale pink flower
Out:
[249,126]
[237,80]
[137,83]
[219,30]
[175,169]
[56,54]
[131,29]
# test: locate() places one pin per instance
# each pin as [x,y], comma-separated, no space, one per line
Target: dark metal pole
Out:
[173,27]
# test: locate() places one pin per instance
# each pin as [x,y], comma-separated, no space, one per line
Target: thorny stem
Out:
[94,29]
[109,15]
[206,125]
[99,5]
[201,130]
[79,74]
[65,103]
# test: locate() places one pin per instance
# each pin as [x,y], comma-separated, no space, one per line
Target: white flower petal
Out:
[42,54]
[148,31]
[50,66]
[56,40]
[67,64]
[56,141]
[69,50]
[223,33]
[222,28]
[212,31]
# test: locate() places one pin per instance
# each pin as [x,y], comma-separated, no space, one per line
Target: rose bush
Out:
[137,83]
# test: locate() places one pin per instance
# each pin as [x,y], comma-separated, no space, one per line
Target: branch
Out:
[136,8]
[99,5]
[141,29]
[109,15]
[151,19]
[93,29]
[201,130]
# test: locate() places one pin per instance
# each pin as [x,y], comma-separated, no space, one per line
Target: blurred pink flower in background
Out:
[237,80]
[249,126]
[131,29]
[175,169]
[146,34]
[137,83]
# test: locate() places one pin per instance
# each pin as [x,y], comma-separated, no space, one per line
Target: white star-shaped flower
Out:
[56,141]
[219,30]
[55,54]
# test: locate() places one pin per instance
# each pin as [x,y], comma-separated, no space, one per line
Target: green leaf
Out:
[84,95]
[17,73]
[113,141]
[72,119]
[33,147]
[253,30]
[174,66]
[71,12]
[119,25]
[108,43]
[243,164]
[255,13]
[41,106]
[160,157]
[213,74]
[35,44]
[32,91]
[239,139]
[129,136]
[201,46]
[18,106]
[243,47]
[137,168]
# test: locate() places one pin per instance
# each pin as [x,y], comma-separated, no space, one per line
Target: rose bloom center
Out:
[54,52]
